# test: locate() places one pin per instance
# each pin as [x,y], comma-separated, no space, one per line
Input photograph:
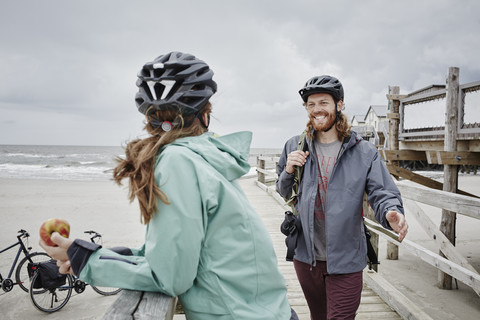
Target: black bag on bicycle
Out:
[32,268]
[48,275]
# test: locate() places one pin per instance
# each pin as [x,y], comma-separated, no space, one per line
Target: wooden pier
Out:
[271,211]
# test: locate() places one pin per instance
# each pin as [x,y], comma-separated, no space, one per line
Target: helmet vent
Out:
[157,73]
[159,90]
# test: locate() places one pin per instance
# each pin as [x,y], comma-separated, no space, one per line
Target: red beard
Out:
[329,120]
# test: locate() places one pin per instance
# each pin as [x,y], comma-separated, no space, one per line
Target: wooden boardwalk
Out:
[371,306]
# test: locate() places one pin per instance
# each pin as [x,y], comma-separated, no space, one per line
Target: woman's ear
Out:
[206,119]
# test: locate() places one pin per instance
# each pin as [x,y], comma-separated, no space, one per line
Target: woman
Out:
[204,242]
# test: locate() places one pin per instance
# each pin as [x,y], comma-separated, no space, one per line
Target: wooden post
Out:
[450,172]
[394,122]
[260,174]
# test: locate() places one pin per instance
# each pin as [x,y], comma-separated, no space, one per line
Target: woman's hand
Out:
[59,253]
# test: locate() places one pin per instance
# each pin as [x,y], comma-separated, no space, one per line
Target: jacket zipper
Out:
[340,153]
[118,259]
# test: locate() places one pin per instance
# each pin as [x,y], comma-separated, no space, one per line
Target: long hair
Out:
[342,126]
[140,156]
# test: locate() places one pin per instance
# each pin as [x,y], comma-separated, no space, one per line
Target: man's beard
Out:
[330,120]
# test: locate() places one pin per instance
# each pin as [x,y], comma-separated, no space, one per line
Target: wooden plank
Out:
[141,305]
[392,155]
[267,172]
[394,298]
[465,205]
[409,175]
[269,158]
[430,183]
[434,157]
[454,157]
[438,237]
[124,307]
[393,115]
[391,96]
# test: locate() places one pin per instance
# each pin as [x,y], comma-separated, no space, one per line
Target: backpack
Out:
[292,226]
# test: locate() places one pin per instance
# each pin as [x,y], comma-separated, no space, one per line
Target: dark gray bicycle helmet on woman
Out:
[323,84]
[174,81]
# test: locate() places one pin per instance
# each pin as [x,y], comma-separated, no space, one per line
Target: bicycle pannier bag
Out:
[49,275]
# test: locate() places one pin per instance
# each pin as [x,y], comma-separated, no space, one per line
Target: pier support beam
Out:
[393,128]
[450,172]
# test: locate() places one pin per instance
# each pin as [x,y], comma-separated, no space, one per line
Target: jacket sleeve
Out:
[285,180]
[383,194]
[173,239]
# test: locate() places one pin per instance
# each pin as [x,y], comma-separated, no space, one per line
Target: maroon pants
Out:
[329,296]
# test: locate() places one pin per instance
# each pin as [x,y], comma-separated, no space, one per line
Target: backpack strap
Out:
[298,175]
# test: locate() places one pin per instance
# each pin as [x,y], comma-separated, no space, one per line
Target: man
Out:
[339,167]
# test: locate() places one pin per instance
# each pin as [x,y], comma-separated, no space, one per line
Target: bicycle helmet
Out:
[174,81]
[323,84]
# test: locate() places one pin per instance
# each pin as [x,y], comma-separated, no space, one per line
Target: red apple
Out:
[54,225]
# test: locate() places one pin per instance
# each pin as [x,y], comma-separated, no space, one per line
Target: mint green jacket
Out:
[208,246]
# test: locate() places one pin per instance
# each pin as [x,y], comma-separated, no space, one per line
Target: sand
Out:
[100,205]
[104,207]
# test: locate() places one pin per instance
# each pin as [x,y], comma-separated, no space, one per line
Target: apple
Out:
[54,225]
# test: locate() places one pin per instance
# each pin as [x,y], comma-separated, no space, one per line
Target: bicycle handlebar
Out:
[23,233]
[96,235]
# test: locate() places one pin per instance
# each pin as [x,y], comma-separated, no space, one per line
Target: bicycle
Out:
[21,273]
[53,299]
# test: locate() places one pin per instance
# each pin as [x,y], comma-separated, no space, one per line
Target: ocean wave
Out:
[25,171]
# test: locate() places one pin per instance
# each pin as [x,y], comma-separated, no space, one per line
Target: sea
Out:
[74,162]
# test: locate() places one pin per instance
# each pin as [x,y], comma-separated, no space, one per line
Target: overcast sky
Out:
[68,69]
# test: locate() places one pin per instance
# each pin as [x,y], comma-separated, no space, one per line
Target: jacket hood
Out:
[227,154]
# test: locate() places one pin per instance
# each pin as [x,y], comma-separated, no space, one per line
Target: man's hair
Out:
[140,155]
[342,125]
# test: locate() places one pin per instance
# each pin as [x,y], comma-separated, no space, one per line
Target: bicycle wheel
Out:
[106,291]
[21,274]
[51,300]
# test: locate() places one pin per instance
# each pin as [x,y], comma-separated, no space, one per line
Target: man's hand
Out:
[59,253]
[398,223]
[296,158]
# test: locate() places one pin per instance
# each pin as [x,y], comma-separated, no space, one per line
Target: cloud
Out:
[72,65]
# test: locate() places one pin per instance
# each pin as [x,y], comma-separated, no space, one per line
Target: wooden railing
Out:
[142,305]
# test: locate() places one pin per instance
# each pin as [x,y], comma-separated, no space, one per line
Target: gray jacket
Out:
[359,168]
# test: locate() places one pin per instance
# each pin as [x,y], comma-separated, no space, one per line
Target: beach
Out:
[103,206]
[99,205]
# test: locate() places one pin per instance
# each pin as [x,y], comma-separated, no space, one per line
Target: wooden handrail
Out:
[132,305]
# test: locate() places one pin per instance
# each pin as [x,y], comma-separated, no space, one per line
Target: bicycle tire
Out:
[51,300]
[106,291]
[21,274]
